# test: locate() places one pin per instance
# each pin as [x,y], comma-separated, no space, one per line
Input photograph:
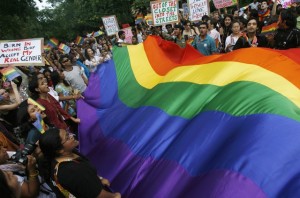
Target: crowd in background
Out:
[48,133]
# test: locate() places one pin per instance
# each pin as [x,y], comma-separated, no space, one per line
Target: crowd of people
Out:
[38,114]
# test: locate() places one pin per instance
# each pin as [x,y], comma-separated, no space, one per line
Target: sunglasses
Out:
[68,137]
[66,60]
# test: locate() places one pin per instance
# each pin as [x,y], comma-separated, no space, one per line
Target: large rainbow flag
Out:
[168,122]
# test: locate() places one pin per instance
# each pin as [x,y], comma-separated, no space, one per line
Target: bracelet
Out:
[36,173]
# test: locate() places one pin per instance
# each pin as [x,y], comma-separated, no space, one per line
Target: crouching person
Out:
[71,172]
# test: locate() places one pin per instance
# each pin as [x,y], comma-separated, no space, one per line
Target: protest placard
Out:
[287,3]
[224,3]
[110,24]
[164,12]
[198,8]
[128,34]
[22,52]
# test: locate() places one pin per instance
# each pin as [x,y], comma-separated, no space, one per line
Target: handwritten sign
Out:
[198,8]
[224,3]
[164,12]
[22,52]
[286,3]
[128,34]
[110,24]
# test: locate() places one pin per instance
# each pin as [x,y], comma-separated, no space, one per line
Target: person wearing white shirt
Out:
[212,32]
[121,35]
[232,39]
[254,5]
[92,60]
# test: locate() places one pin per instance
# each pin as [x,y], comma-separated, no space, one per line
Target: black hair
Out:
[243,20]
[179,26]
[205,18]
[55,77]
[214,22]
[235,21]
[32,86]
[186,22]
[204,23]
[86,53]
[289,18]
[50,144]
[253,18]
[5,190]
[233,10]
[169,25]
[223,22]
[253,13]
[45,71]
[62,58]
[298,10]
[120,33]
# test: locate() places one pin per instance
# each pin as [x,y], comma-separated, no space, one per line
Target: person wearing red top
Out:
[55,113]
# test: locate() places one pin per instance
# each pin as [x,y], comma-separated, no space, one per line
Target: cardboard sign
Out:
[22,52]
[110,24]
[198,8]
[128,34]
[164,12]
[224,3]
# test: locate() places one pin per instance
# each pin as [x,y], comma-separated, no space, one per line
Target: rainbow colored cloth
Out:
[168,122]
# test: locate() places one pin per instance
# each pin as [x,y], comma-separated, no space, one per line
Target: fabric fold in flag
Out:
[169,122]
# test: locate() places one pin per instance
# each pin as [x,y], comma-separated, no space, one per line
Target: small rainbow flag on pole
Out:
[139,19]
[33,102]
[39,123]
[10,73]
[269,28]
[98,33]
[53,42]
[79,40]
[47,48]
[64,48]
[149,19]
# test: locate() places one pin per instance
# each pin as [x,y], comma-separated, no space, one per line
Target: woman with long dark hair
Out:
[92,60]
[72,172]
[55,113]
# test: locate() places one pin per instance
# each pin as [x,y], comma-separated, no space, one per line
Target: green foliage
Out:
[69,18]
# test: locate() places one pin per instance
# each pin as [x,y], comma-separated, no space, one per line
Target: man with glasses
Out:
[73,74]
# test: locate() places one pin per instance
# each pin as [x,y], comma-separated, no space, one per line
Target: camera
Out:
[21,155]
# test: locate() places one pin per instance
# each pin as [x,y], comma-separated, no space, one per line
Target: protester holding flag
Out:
[32,120]
[56,115]
[8,107]
[92,60]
